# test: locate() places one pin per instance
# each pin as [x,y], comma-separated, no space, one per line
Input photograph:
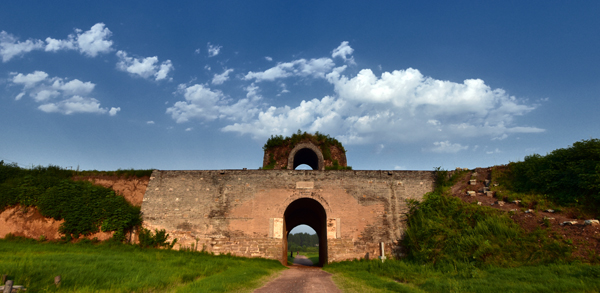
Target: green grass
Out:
[402,276]
[125,268]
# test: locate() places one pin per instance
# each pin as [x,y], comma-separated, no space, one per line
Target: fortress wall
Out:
[242,211]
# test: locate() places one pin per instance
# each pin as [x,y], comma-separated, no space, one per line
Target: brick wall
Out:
[241,211]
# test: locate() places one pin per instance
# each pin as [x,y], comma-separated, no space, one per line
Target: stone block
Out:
[592,222]
[568,223]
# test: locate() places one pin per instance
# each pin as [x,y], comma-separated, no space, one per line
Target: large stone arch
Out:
[309,212]
[306,153]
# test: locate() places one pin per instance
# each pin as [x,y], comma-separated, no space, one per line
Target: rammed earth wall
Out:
[242,211]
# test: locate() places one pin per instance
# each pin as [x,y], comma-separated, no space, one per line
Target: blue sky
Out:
[108,85]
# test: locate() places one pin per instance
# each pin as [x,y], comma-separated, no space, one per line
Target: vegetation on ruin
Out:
[324,142]
[86,208]
[456,246]
[319,139]
[116,267]
[565,177]
[444,229]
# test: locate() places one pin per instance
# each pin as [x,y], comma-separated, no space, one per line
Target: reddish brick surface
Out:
[232,211]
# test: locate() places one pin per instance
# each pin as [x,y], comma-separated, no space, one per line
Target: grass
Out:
[403,276]
[125,268]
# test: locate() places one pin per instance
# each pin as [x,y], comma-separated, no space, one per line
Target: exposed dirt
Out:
[301,277]
[132,188]
[585,238]
[302,261]
[28,222]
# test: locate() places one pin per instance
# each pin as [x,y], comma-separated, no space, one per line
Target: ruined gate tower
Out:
[250,212]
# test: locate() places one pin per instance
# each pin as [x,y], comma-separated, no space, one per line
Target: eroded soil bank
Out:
[28,222]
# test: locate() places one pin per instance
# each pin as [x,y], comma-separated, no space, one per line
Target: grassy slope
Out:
[125,268]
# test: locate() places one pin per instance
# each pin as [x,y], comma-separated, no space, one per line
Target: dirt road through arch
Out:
[301,277]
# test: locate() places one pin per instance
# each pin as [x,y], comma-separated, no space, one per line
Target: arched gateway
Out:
[309,212]
[250,212]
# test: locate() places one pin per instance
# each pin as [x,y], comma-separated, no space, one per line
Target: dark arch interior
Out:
[309,212]
[308,157]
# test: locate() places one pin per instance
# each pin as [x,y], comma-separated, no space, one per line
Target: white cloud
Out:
[221,78]
[53,45]
[113,111]
[197,51]
[57,95]
[447,147]
[29,80]
[189,129]
[344,51]
[11,47]
[94,41]
[203,103]
[213,50]
[73,87]
[268,58]
[91,43]
[148,67]
[399,106]
[150,122]
[74,104]
[301,67]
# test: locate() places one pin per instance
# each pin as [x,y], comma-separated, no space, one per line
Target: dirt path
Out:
[301,277]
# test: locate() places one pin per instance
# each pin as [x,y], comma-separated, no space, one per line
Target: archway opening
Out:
[308,157]
[309,212]
[303,246]
[303,167]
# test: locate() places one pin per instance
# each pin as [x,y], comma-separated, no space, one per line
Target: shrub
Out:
[157,239]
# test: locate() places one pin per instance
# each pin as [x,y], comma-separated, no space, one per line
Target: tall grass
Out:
[111,267]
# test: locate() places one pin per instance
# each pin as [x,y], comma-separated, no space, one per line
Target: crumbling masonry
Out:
[250,212]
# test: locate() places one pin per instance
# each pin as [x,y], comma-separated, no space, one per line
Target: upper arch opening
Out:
[306,153]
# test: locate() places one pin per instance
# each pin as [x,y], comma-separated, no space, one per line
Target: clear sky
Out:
[408,85]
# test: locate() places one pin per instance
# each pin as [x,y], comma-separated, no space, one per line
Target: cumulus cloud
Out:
[301,67]
[29,80]
[148,67]
[113,111]
[90,43]
[447,147]
[203,103]
[398,106]
[221,78]
[10,46]
[344,51]
[268,58]
[213,50]
[58,95]
[94,41]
